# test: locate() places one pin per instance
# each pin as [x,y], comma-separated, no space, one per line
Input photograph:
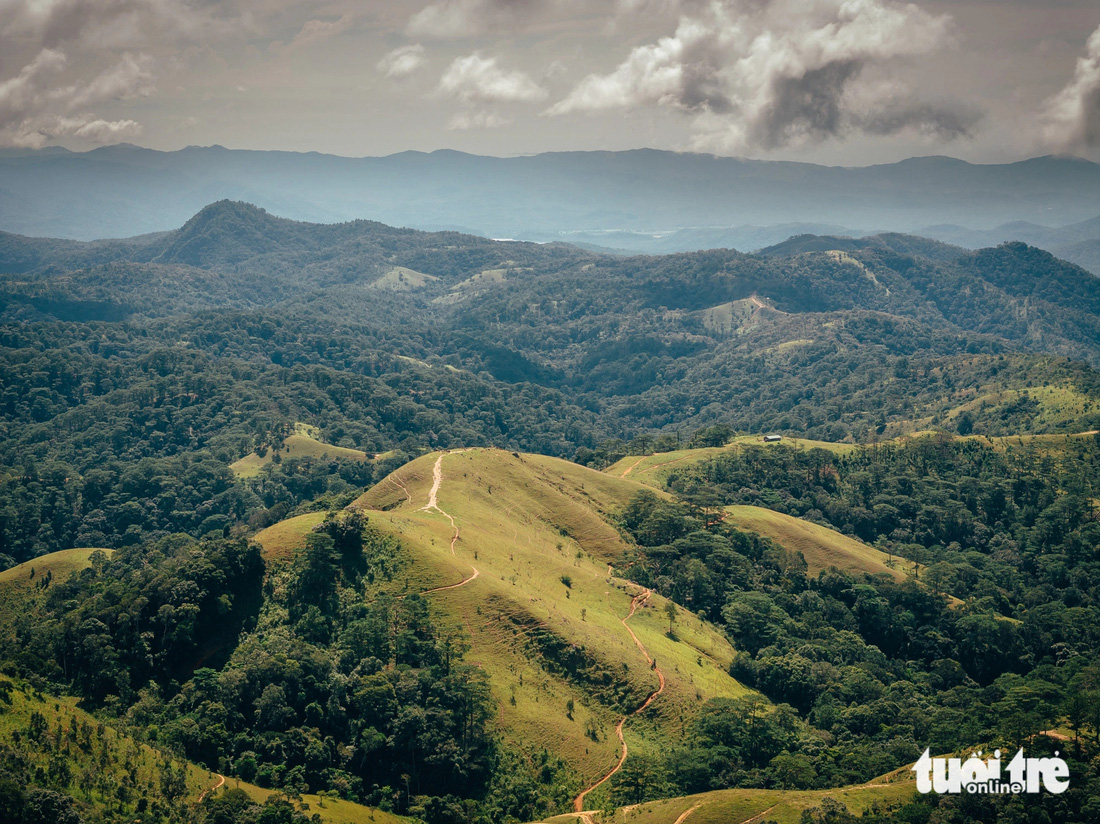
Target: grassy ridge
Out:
[543,614]
[653,469]
[820,546]
[280,540]
[110,772]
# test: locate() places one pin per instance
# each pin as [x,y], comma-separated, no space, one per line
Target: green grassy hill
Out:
[517,551]
[304,443]
[820,546]
[652,470]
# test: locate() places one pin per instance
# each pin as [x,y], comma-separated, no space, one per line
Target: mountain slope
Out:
[517,550]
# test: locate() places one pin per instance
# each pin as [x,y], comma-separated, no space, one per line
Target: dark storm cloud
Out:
[779,73]
[805,107]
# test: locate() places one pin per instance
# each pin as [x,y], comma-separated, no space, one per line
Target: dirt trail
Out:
[640,598]
[208,790]
[758,816]
[433,503]
[630,468]
[684,815]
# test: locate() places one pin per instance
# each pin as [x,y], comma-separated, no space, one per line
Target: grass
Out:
[740,806]
[820,546]
[730,318]
[1059,406]
[331,810]
[525,521]
[401,279]
[281,540]
[304,443]
[652,470]
[20,593]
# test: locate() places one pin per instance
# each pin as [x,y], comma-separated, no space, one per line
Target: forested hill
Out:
[136,371]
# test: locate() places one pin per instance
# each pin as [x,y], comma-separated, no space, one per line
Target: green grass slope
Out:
[517,550]
[652,470]
[304,443]
[22,586]
[820,546]
[750,805]
[280,540]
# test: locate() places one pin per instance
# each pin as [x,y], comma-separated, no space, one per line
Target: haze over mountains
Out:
[645,200]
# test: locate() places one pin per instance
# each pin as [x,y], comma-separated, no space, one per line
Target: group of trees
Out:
[316,675]
[869,671]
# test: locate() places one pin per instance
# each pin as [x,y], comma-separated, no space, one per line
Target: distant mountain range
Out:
[644,200]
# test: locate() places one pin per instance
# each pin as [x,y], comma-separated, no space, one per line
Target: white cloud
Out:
[318,31]
[477,79]
[1073,114]
[403,61]
[464,121]
[129,79]
[34,108]
[780,73]
[466,18]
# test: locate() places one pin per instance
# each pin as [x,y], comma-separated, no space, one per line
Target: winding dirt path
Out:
[640,598]
[208,790]
[433,503]
[684,815]
[630,468]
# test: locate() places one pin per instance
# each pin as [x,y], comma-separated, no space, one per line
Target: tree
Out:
[670,611]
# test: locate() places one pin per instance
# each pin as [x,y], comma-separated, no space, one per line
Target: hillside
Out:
[24,585]
[215,339]
[107,772]
[530,575]
[304,443]
[823,548]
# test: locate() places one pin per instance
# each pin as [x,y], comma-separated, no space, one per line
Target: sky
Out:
[840,82]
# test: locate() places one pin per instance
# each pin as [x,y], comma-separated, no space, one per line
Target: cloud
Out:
[318,31]
[34,108]
[106,24]
[477,79]
[465,18]
[403,61]
[129,79]
[61,42]
[787,72]
[1073,114]
[477,120]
